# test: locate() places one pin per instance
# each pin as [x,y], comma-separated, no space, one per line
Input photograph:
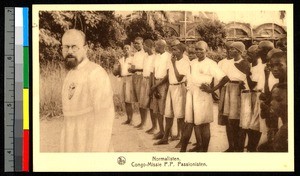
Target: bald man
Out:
[87,99]
[160,86]
[199,102]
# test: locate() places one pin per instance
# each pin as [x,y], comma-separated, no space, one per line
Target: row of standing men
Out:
[181,83]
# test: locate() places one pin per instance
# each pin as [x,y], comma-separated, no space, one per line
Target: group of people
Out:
[173,80]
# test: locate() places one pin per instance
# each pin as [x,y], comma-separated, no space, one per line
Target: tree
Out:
[102,29]
[212,32]
[140,28]
[146,24]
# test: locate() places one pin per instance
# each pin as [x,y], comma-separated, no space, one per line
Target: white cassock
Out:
[88,109]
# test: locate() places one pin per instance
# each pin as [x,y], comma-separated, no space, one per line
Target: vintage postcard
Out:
[163,87]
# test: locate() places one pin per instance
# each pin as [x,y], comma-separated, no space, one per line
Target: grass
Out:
[51,80]
[52,76]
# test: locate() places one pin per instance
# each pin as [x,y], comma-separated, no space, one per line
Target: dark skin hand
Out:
[131,70]
[244,67]
[208,89]
[251,83]
[154,87]
[179,77]
[266,87]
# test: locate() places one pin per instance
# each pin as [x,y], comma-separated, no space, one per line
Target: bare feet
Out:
[151,130]
[158,135]
[161,142]
[127,122]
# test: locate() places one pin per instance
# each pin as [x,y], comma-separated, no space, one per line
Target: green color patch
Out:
[26,67]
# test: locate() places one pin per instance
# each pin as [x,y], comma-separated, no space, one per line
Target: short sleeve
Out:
[216,71]
[255,75]
[130,60]
[151,65]
[169,64]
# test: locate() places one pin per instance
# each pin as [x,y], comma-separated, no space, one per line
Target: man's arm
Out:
[178,76]
[251,83]
[164,80]
[131,70]
[208,89]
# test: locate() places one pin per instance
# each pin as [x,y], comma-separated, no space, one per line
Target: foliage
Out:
[140,28]
[216,55]
[213,32]
[102,29]
[148,25]
[105,57]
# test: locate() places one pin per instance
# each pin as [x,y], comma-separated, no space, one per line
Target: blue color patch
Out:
[25,26]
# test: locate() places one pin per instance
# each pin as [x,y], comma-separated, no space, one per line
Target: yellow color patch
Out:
[25,109]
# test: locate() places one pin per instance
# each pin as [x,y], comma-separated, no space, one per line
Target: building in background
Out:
[246,26]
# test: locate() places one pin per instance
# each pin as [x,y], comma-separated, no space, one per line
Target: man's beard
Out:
[71,62]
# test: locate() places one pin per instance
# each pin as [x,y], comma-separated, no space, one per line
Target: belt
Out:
[126,76]
[178,83]
[235,82]
[159,78]
[138,73]
[248,91]
[146,76]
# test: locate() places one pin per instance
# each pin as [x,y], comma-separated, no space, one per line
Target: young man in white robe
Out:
[160,86]
[87,99]
[199,101]
[232,104]
[178,69]
[127,89]
[146,84]
[250,106]
[137,70]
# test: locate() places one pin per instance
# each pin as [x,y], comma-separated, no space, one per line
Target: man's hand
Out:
[206,88]
[265,110]
[173,59]
[267,71]
[152,89]
[130,70]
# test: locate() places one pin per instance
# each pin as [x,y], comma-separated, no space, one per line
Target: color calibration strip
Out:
[16,85]
[25,161]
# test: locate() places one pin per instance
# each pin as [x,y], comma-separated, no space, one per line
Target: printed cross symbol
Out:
[121,160]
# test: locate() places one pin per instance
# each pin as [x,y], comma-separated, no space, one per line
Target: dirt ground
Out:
[126,138]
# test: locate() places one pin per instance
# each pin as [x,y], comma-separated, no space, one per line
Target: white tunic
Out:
[199,104]
[138,60]
[258,75]
[183,67]
[148,65]
[88,109]
[160,65]
[125,65]
[224,64]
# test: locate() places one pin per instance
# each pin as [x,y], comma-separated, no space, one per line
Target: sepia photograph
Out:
[156,88]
